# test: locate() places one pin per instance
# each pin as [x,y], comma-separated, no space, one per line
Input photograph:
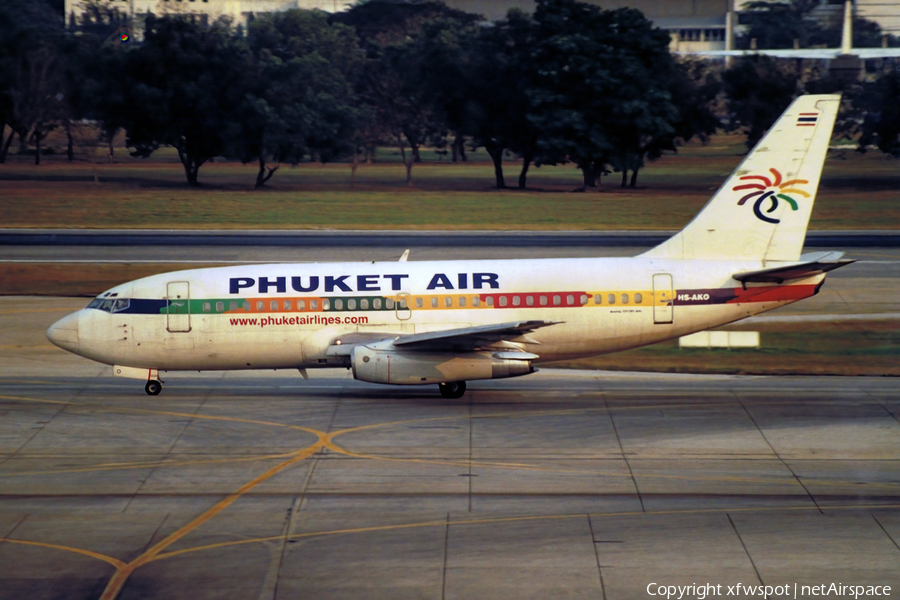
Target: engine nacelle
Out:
[377,365]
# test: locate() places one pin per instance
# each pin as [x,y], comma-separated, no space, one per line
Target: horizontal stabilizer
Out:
[814,264]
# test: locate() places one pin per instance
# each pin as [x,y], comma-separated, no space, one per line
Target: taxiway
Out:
[563,484]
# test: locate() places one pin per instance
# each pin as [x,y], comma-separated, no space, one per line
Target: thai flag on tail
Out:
[807,119]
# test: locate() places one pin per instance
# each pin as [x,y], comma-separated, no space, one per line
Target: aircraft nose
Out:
[64,333]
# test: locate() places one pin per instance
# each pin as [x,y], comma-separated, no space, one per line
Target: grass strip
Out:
[786,348]
[856,192]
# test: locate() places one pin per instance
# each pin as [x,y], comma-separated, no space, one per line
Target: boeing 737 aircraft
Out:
[447,322]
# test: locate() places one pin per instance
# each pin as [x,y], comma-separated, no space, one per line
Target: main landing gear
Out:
[153,387]
[452,389]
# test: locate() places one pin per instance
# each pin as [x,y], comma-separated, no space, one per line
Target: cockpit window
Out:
[110,305]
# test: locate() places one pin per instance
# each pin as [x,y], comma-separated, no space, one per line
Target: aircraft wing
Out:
[469,338]
[462,339]
[816,263]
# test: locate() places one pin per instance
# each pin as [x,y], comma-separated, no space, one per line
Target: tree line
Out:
[570,83]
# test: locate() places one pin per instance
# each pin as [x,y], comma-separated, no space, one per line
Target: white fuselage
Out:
[289,315]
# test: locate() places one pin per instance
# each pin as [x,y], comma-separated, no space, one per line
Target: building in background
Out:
[694,25]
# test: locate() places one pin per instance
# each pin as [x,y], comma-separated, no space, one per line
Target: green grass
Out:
[798,348]
[857,192]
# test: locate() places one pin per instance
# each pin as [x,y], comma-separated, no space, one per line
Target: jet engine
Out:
[377,365]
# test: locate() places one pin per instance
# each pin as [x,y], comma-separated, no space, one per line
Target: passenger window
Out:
[517,301]
[502,300]
[557,300]
[402,303]
[232,305]
[638,298]
[376,303]
[529,300]
[301,304]
[434,302]
[462,301]
[288,305]
[364,304]
[220,307]
[207,307]
[313,305]
[326,304]
[624,298]
[598,298]
[273,305]
[543,300]
[260,305]
[246,306]
[419,303]
[338,304]
[570,299]
[489,301]
[476,301]
[611,299]
[584,299]
[351,304]
[389,303]
[448,302]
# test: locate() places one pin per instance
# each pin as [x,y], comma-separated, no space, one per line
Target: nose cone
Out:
[64,333]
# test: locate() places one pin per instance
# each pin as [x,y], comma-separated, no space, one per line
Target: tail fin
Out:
[762,210]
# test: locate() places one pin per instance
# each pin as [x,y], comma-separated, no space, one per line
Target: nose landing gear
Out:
[452,389]
[153,387]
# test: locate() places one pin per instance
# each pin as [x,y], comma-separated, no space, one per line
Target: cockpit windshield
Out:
[110,305]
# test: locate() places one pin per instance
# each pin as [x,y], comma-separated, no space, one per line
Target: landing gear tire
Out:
[153,388]
[452,389]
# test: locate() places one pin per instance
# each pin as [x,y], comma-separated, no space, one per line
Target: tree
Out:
[777,24]
[97,89]
[33,91]
[302,103]
[758,89]
[496,103]
[401,40]
[186,87]
[882,122]
[693,89]
[597,97]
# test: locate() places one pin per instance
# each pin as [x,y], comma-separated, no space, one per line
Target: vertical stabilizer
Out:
[763,209]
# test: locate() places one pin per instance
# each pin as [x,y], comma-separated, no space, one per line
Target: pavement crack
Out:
[746,551]
[889,536]
[597,556]
[777,455]
[622,452]
[446,547]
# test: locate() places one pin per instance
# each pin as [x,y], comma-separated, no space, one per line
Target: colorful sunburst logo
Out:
[125,37]
[770,189]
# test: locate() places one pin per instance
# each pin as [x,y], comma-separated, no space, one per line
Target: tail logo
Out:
[772,189]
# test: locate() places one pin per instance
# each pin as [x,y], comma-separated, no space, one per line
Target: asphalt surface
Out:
[562,484]
[407,239]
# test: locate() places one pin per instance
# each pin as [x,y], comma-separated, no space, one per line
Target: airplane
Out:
[449,322]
